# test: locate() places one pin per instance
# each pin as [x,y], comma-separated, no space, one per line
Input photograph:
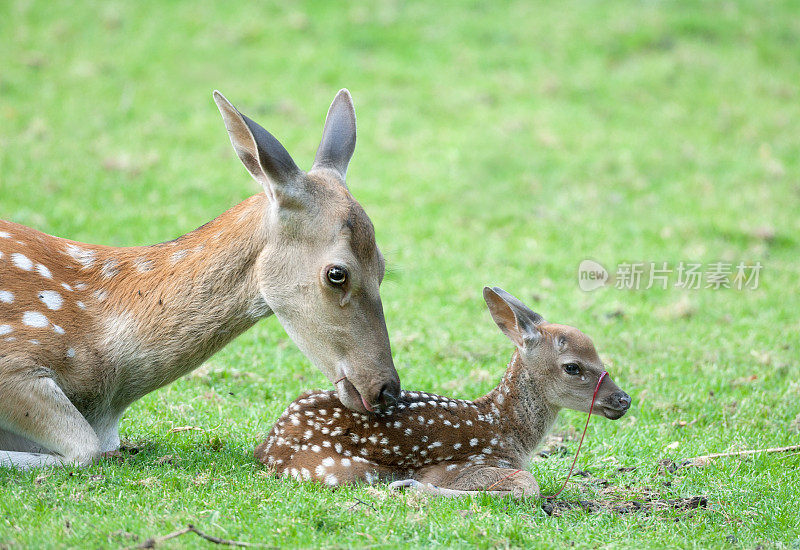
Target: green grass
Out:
[498,144]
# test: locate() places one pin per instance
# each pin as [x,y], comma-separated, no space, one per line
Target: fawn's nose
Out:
[620,400]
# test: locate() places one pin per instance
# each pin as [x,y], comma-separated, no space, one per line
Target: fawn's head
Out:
[560,359]
[321,271]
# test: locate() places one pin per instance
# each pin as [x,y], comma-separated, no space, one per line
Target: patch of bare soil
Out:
[646,505]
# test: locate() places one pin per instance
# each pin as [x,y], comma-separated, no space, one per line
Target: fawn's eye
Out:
[572,369]
[337,275]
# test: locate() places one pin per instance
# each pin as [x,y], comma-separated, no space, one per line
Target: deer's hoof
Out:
[405,483]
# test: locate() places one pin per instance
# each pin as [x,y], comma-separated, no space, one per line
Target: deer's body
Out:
[85,330]
[425,437]
[449,446]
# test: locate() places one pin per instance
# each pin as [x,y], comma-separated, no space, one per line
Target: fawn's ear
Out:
[264,157]
[515,319]
[338,136]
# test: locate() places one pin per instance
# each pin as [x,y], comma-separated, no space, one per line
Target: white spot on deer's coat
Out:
[345,462]
[457,446]
[109,268]
[407,431]
[451,467]
[320,470]
[328,462]
[177,256]
[35,319]
[373,439]
[5,235]
[66,287]
[83,257]
[21,261]
[6,297]
[331,479]
[34,342]
[58,330]
[43,271]
[315,448]
[5,329]
[51,299]
[473,442]
[100,295]
[338,447]
[143,265]
[80,305]
[71,353]
[1,254]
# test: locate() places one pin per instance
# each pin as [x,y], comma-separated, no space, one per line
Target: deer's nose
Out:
[620,400]
[388,395]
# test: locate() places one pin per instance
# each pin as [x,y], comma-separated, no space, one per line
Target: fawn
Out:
[452,446]
[86,330]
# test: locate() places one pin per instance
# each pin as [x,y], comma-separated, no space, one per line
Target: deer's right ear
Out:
[338,136]
[515,319]
[264,157]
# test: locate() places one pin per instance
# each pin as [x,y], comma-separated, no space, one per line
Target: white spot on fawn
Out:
[473,442]
[58,329]
[5,235]
[80,305]
[35,319]
[71,353]
[328,462]
[5,329]
[51,299]
[66,287]
[6,297]
[21,261]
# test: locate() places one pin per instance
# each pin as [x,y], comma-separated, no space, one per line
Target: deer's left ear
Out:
[515,319]
[264,157]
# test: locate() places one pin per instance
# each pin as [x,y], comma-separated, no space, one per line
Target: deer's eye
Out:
[572,369]
[337,275]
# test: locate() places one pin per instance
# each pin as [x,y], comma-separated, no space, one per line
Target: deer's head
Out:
[561,360]
[321,269]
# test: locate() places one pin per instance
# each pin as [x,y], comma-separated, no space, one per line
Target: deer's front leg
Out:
[34,408]
[454,480]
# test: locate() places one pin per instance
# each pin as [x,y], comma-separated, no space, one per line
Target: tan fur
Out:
[85,330]
[448,446]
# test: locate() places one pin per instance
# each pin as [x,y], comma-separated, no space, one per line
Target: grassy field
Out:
[499,143]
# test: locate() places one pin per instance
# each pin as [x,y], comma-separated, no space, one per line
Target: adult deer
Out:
[446,446]
[86,330]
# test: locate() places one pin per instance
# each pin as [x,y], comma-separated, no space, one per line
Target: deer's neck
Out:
[162,310]
[524,416]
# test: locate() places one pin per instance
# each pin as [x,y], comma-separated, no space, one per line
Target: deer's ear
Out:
[515,319]
[264,157]
[338,137]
